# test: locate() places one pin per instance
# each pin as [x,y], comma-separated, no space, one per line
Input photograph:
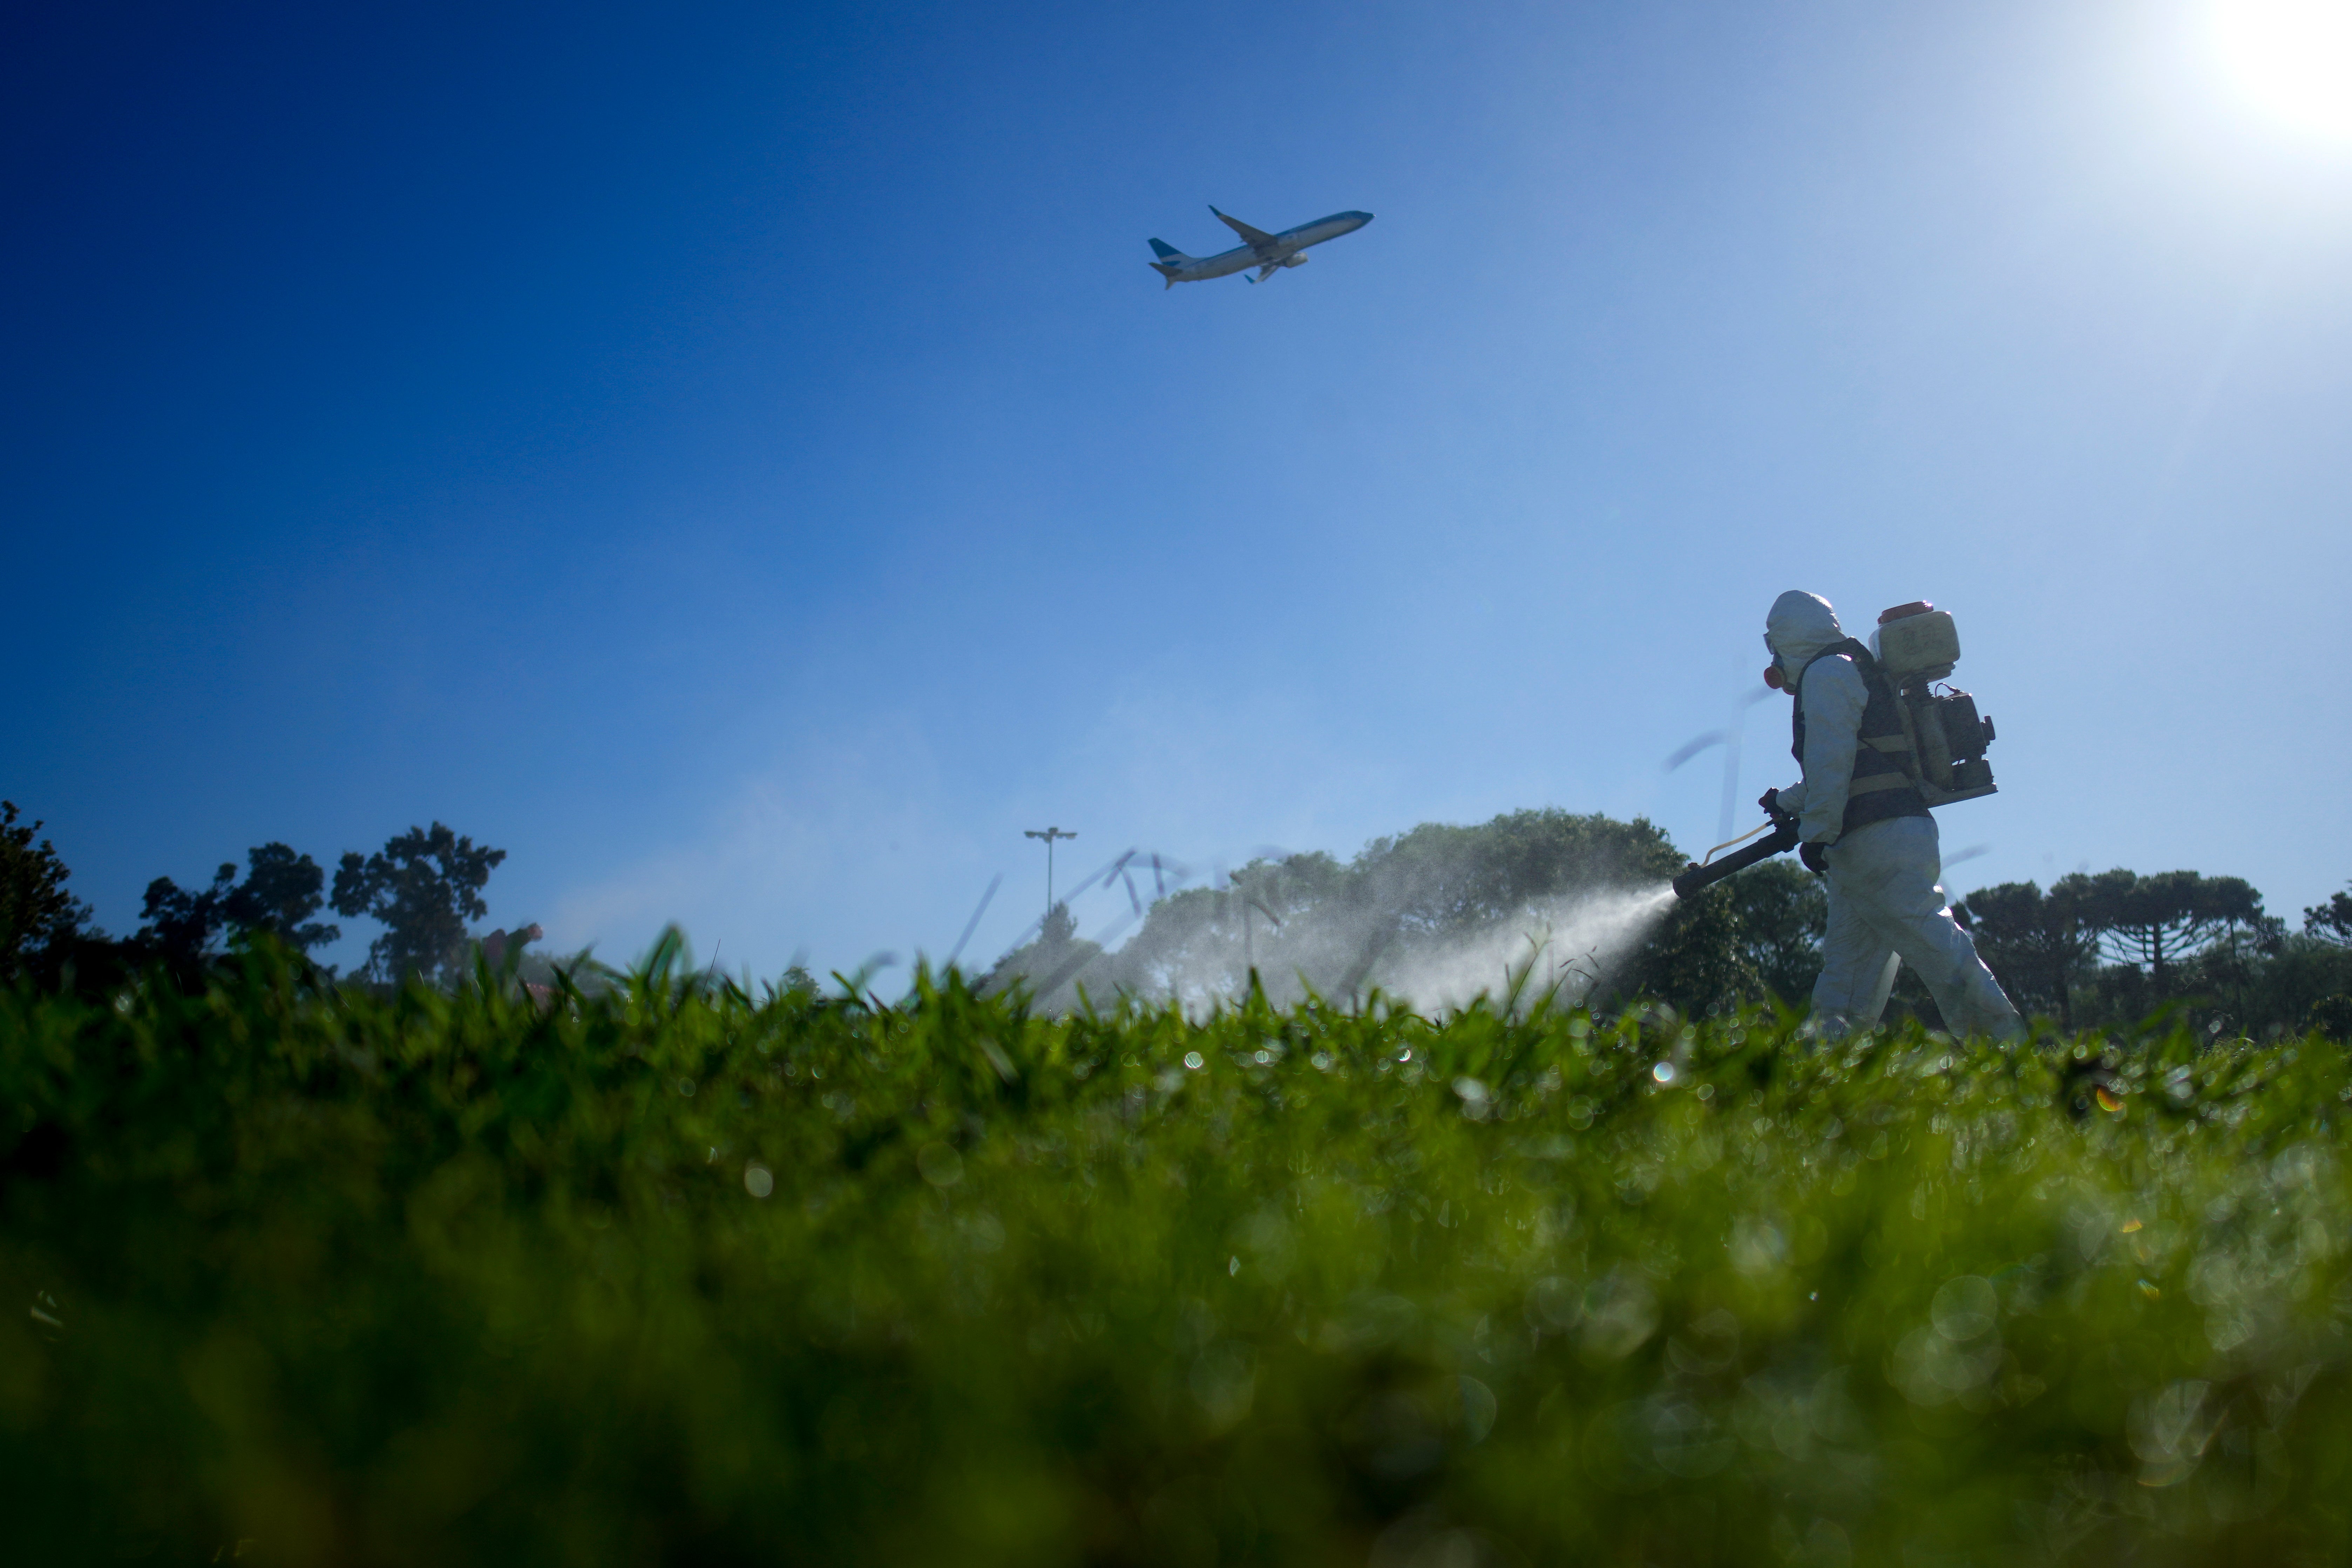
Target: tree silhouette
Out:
[279,894]
[37,913]
[180,923]
[2035,943]
[1783,914]
[1049,965]
[2331,922]
[424,885]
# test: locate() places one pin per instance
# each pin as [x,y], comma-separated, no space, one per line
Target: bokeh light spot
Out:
[940,1165]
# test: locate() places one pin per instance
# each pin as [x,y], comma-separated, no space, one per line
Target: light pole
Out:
[1048,835]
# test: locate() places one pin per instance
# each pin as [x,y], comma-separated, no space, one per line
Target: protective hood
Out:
[1800,626]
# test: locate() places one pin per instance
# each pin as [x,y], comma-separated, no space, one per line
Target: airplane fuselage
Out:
[1278,250]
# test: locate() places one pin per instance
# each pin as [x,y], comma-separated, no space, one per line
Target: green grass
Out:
[680,1276]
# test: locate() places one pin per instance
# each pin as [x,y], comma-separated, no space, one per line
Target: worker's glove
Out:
[1816,857]
[1770,801]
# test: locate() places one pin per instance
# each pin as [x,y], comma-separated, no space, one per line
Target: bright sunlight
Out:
[2291,58]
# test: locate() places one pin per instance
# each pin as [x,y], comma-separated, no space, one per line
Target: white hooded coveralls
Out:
[1886,905]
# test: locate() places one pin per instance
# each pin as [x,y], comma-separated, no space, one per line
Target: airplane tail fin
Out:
[1171,262]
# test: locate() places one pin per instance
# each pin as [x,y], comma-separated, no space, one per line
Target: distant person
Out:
[1864,826]
[496,944]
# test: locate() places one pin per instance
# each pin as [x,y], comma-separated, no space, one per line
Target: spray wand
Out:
[1705,873]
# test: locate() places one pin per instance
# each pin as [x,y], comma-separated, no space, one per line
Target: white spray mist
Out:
[1565,947]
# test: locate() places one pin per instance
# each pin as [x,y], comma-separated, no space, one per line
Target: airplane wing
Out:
[1266,272]
[1254,236]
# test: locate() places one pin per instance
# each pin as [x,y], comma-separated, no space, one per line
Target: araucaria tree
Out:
[423,886]
[2161,919]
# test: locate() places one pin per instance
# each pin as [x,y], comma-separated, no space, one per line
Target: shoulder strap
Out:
[1896,740]
[1848,646]
[1858,652]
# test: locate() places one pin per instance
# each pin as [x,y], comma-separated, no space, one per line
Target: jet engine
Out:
[1297,258]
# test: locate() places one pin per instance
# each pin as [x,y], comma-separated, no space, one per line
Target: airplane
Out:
[1269,253]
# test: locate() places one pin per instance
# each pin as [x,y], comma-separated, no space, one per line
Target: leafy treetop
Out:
[2331,922]
[424,885]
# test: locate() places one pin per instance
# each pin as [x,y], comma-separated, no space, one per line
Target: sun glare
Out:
[2291,58]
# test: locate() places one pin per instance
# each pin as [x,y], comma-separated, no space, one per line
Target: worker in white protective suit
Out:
[1863,826]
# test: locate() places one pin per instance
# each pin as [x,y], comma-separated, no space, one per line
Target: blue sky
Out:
[739,461]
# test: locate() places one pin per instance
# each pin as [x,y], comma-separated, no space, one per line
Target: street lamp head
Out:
[1049,835]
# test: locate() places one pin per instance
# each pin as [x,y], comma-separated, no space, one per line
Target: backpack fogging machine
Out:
[1943,738]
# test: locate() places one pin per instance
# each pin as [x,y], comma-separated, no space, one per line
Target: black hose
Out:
[1780,841]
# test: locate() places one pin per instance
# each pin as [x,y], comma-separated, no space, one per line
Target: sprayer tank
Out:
[1916,645]
[1923,643]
